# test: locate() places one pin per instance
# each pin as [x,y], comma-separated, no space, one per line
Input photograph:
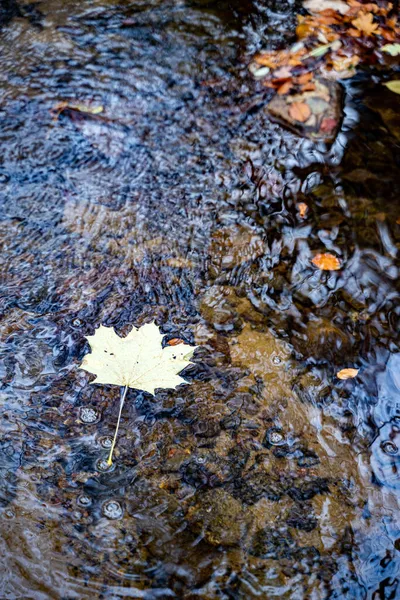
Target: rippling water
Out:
[267,477]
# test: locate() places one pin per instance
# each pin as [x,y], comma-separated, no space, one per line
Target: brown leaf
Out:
[326,262]
[365,23]
[328,125]
[347,373]
[299,111]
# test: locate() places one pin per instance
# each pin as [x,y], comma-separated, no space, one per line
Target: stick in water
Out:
[109,460]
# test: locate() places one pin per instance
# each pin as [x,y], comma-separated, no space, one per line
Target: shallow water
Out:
[267,476]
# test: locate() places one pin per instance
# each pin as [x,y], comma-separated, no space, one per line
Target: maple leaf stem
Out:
[121,404]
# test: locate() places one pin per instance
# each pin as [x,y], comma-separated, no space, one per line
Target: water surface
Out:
[267,477]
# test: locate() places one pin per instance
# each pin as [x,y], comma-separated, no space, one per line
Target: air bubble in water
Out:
[112,509]
[89,415]
[389,448]
[275,437]
[84,501]
[104,466]
[105,442]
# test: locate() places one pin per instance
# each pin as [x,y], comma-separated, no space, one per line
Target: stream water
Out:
[267,476]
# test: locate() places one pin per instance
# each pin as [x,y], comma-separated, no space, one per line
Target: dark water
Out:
[267,477]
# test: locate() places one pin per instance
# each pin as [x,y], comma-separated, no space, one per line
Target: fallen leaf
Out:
[326,262]
[317,6]
[257,71]
[365,23]
[304,78]
[319,51]
[137,361]
[394,86]
[328,125]
[347,373]
[83,108]
[285,88]
[299,111]
[392,49]
[303,209]
[175,342]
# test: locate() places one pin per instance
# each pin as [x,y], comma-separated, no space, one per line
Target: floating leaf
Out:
[83,108]
[326,262]
[317,6]
[303,209]
[136,361]
[392,49]
[394,86]
[347,373]
[365,23]
[299,111]
[319,50]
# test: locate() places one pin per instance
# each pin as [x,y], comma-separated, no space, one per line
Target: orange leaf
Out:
[365,23]
[326,262]
[347,373]
[304,78]
[299,111]
[285,88]
[175,342]
[303,209]
[308,87]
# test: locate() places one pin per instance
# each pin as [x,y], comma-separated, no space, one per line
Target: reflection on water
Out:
[267,476]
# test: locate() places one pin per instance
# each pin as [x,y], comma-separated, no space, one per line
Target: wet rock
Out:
[218,517]
[301,516]
[324,109]
[258,485]
[217,310]
[10,457]
[263,353]
[234,245]
[324,340]
[202,472]
[272,543]
[309,489]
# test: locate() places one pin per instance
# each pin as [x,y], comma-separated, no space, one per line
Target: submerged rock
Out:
[315,114]
[218,517]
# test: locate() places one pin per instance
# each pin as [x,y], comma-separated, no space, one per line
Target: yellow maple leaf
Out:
[365,23]
[136,361]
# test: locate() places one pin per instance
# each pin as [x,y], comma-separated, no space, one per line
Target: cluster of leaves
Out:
[337,36]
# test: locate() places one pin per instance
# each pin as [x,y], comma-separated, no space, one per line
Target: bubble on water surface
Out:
[105,442]
[104,466]
[89,415]
[274,437]
[112,509]
[84,501]
[389,448]
[385,460]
